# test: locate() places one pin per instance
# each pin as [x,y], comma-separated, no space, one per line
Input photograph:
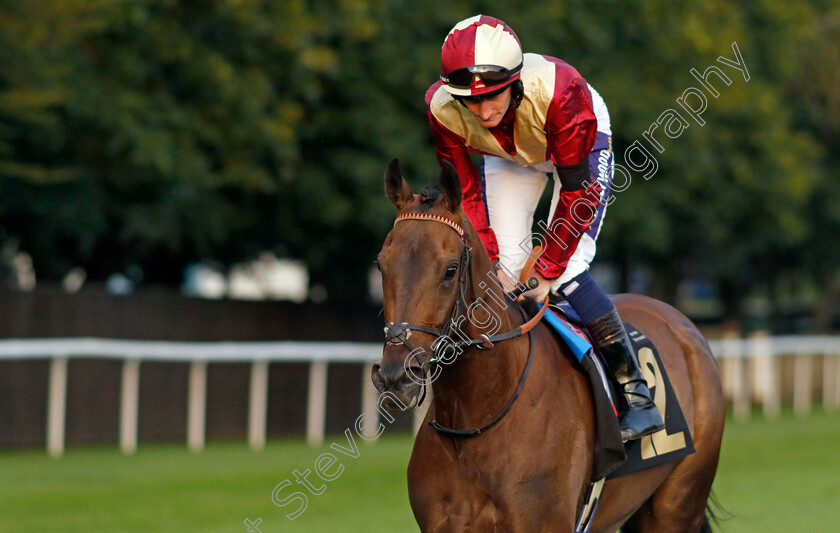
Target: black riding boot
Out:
[612,343]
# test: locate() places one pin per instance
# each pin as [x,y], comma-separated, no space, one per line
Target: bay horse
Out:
[530,471]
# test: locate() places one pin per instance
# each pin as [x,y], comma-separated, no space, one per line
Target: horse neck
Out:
[464,386]
[484,294]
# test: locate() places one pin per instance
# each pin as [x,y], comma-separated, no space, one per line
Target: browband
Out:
[436,218]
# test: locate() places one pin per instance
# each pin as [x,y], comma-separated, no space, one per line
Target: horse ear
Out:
[396,188]
[450,185]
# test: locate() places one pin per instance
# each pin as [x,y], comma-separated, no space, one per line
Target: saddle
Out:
[613,458]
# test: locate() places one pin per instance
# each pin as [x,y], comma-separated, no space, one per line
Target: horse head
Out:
[428,272]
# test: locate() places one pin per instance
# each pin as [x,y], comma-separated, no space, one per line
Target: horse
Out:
[528,463]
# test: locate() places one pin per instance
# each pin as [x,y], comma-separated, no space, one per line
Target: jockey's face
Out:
[489,109]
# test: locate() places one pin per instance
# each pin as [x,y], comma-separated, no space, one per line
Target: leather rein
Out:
[398,333]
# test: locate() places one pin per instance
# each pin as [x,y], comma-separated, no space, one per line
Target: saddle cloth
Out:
[612,458]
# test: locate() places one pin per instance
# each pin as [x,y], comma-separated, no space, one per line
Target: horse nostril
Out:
[376,378]
[396,377]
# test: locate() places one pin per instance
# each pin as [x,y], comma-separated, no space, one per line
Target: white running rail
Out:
[751,370]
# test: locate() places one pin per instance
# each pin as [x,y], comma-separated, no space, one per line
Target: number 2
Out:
[660,442]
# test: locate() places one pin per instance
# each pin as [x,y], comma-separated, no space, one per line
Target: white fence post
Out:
[57,406]
[129,401]
[258,405]
[419,413]
[831,380]
[736,384]
[803,371]
[316,408]
[836,401]
[197,406]
[766,374]
[369,397]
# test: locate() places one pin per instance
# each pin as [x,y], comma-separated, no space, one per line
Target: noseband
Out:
[398,333]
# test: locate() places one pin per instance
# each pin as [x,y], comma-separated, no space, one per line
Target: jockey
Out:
[530,116]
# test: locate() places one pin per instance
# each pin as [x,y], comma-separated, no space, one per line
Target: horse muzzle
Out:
[395,376]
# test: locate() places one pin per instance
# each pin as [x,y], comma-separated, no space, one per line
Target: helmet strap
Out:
[517,91]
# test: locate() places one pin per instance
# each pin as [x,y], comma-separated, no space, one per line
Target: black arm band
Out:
[573,177]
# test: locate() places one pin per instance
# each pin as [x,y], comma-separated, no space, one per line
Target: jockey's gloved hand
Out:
[538,294]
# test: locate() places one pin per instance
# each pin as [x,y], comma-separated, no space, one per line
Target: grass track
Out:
[777,476]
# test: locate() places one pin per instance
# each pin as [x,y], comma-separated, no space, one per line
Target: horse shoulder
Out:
[485,480]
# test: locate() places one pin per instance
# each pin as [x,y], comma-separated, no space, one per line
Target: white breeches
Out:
[512,193]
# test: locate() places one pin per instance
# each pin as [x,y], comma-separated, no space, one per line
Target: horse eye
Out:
[450,272]
[378,266]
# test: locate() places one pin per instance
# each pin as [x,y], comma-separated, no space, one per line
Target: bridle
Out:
[399,332]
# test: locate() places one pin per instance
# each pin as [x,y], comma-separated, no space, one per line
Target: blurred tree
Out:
[815,94]
[158,132]
[729,199]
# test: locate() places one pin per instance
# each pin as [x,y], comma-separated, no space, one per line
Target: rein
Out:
[398,333]
[465,433]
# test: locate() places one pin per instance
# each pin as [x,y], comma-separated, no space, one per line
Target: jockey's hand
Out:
[538,294]
[507,285]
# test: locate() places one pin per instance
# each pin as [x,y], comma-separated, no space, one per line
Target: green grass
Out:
[782,475]
[166,488]
[774,476]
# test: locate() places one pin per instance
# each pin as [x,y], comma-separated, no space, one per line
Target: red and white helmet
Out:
[480,55]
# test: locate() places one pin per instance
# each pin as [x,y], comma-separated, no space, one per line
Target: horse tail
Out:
[715,513]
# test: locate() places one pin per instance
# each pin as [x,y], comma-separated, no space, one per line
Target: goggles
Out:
[462,78]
